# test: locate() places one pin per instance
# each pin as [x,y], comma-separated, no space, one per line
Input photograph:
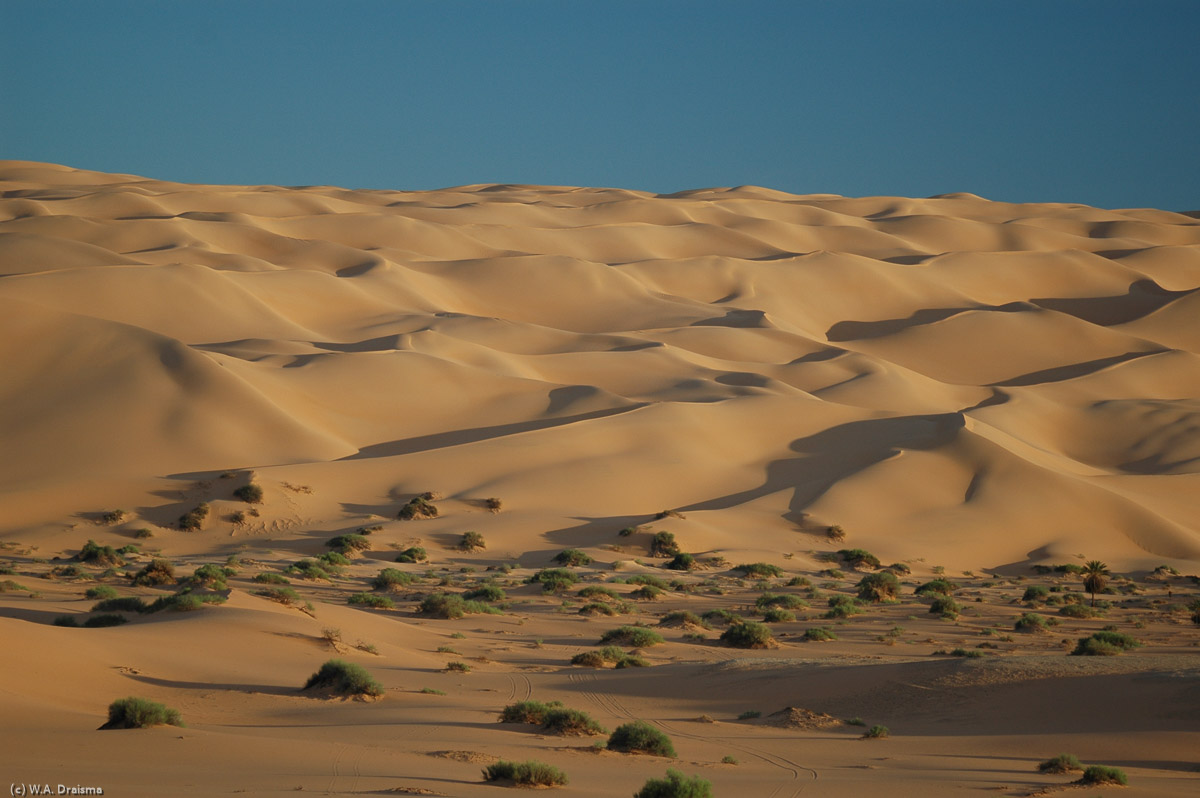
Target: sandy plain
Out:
[967,389]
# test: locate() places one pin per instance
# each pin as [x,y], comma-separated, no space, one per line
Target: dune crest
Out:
[949,377]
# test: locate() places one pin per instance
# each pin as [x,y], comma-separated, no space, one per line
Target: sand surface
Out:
[966,388]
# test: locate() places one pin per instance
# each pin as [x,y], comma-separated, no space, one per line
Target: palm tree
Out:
[1095,577]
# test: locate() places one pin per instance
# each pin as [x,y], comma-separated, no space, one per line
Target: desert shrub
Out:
[570,723]
[417,507]
[878,586]
[527,712]
[598,608]
[157,572]
[778,615]
[1069,568]
[108,619]
[683,562]
[526,774]
[1078,611]
[332,561]
[493,504]
[452,605]
[139,713]
[663,544]
[636,636]
[471,541]
[251,493]
[682,618]
[112,517]
[760,569]
[66,620]
[876,732]
[631,661]
[372,600]
[646,593]
[312,570]
[1104,643]
[941,586]
[748,634]
[458,667]
[194,517]
[640,737]
[99,555]
[586,659]
[647,579]
[835,533]
[412,554]
[573,557]
[183,602]
[344,678]
[677,785]
[721,616]
[390,578]
[900,569]
[554,580]
[125,604]
[945,607]
[784,601]
[101,592]
[271,579]
[843,607]
[349,544]
[1031,622]
[819,634]
[1035,593]
[598,592]
[1103,774]
[211,576]
[859,558]
[143,533]
[486,593]
[1063,763]
[284,595]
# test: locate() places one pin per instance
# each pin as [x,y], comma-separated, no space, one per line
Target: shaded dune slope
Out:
[991,381]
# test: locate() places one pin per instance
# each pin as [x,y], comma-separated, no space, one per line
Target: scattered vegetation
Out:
[748,634]
[99,555]
[418,507]
[349,544]
[1031,622]
[271,579]
[677,785]
[859,558]
[942,587]
[525,774]
[946,607]
[392,578]
[635,636]
[453,605]
[412,554]
[1103,774]
[554,580]
[471,541]
[573,557]
[683,562]
[819,634]
[372,600]
[100,592]
[760,569]
[140,713]
[640,737]
[194,518]
[878,587]
[876,732]
[1104,644]
[344,678]
[1063,763]
[489,593]
[156,572]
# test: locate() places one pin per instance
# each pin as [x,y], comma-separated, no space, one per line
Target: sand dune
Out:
[954,382]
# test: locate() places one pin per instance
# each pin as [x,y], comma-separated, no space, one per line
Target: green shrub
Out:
[721,616]
[759,569]
[663,544]
[101,592]
[640,737]
[157,572]
[598,608]
[647,579]
[899,568]
[942,586]
[859,557]
[349,543]
[1035,593]
[1078,611]
[66,620]
[945,607]
[311,570]
[452,605]
[108,619]
[194,518]
[570,723]
[554,580]
[99,555]
[878,586]
[777,615]
[124,604]
[412,554]
[332,561]
[471,541]
[493,504]
[635,636]
[1104,643]
[271,579]
[417,507]
[344,678]
[573,557]
[748,634]
[677,785]
[683,618]
[631,661]
[1063,763]
[490,593]
[784,601]
[646,593]
[683,562]
[526,774]
[184,602]
[143,533]
[819,634]
[390,578]
[586,659]
[876,732]
[843,607]
[1031,622]
[458,667]
[1102,774]
[210,576]
[138,713]
[284,595]
[372,600]
[251,493]
[1069,568]
[527,712]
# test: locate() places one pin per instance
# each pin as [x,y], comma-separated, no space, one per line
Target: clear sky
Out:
[1047,100]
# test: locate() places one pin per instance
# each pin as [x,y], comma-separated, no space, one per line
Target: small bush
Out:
[677,785]
[683,618]
[349,544]
[527,712]
[194,518]
[471,541]
[143,533]
[878,586]
[598,592]
[125,604]
[66,620]
[843,607]
[412,554]
[183,602]
[640,737]
[635,636]
[683,562]
[372,600]
[663,544]
[344,678]
[647,579]
[271,579]
[211,576]
[1104,643]
[157,572]
[1035,593]
[945,607]
[573,557]
[108,619]
[598,608]
[251,493]
[940,586]
[876,732]
[312,570]
[1102,774]
[760,569]
[458,667]
[554,580]
[570,722]
[1063,763]
[138,713]
[646,593]
[490,593]
[1031,622]
[99,555]
[417,507]
[101,592]
[777,615]
[819,634]
[859,558]
[721,616]
[748,634]
[526,774]
[1078,611]
[391,578]
[284,595]
[452,605]
[784,601]
[493,504]
[586,659]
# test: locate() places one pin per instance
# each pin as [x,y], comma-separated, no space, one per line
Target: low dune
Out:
[959,386]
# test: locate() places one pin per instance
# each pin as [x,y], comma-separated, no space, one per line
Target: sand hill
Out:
[952,382]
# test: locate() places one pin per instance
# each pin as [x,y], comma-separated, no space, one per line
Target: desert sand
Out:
[974,390]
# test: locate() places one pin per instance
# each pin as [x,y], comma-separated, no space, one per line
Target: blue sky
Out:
[1051,100]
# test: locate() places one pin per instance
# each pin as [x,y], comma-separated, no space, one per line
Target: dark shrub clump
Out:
[138,713]
[344,678]
[525,774]
[748,634]
[675,785]
[641,737]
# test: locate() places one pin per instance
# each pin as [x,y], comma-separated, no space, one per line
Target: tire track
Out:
[518,684]
[612,705]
